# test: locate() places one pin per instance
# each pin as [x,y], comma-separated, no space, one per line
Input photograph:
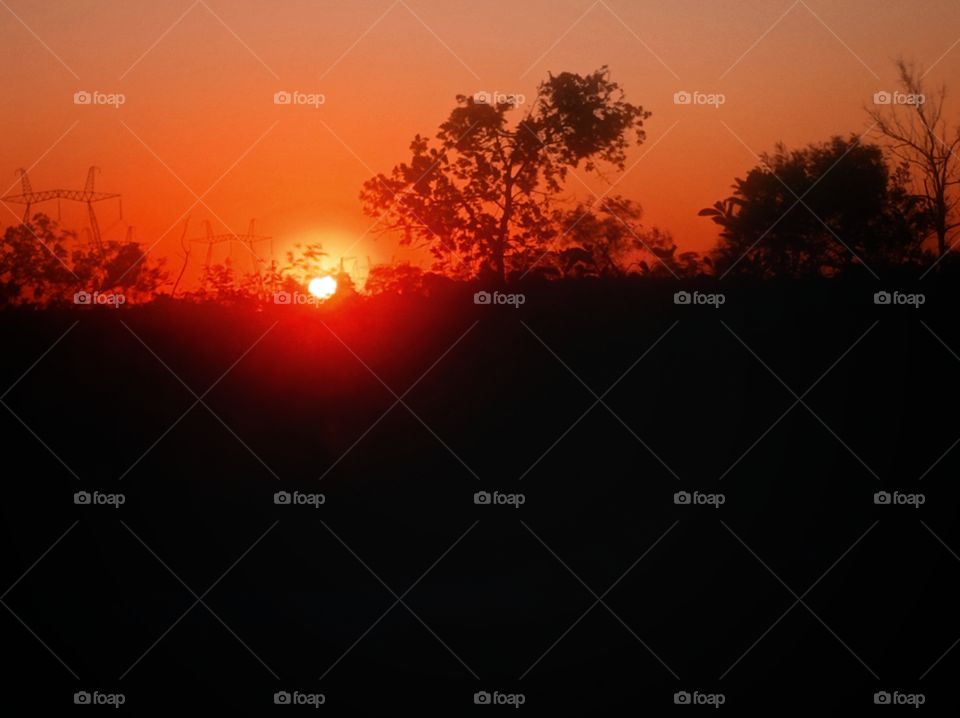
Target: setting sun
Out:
[322,287]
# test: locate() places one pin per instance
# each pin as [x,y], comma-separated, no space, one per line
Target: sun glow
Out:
[322,287]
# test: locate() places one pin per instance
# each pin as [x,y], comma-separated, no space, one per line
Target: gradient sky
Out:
[199,79]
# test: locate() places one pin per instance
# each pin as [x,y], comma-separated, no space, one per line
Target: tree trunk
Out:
[499,267]
[942,212]
[500,247]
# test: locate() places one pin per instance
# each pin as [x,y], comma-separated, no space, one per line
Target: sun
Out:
[322,287]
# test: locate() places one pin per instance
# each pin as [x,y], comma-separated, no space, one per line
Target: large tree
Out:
[480,196]
[818,211]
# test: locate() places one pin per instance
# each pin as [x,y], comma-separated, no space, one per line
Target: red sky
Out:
[199,79]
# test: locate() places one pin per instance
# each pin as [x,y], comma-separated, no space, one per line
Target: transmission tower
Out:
[248,241]
[87,195]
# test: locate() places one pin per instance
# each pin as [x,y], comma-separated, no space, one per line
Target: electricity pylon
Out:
[87,195]
[248,240]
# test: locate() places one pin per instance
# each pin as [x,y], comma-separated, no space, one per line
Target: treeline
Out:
[489,199]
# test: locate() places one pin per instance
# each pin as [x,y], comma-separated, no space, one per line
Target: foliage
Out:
[818,211]
[609,241]
[403,279]
[480,198]
[42,264]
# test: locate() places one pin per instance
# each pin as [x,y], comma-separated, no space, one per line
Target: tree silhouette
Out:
[481,197]
[305,262]
[921,137]
[34,262]
[119,267]
[40,263]
[402,279]
[818,211]
[609,241]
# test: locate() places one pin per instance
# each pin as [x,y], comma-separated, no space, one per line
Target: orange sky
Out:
[199,79]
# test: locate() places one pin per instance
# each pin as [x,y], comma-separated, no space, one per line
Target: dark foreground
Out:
[791,405]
